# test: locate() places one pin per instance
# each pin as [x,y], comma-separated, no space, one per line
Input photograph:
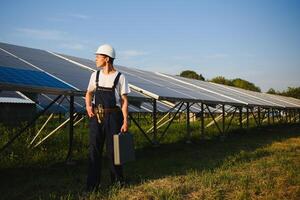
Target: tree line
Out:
[241,83]
[289,92]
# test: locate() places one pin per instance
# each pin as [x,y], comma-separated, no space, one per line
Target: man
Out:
[107,92]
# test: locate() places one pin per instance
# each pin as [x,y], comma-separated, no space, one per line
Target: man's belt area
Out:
[100,112]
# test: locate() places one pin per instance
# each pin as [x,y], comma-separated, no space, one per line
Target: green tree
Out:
[192,75]
[221,80]
[240,83]
[292,92]
[271,91]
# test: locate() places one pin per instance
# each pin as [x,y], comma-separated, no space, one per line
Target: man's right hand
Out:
[90,112]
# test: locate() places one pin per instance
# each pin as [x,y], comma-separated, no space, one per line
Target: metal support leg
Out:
[223,122]
[269,122]
[223,118]
[188,122]
[202,120]
[154,113]
[241,117]
[71,129]
[247,113]
[280,116]
[273,117]
[258,115]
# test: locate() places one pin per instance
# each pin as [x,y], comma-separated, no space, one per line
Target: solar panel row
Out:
[211,92]
[75,73]
[178,88]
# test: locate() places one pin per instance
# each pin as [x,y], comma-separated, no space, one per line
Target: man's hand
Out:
[88,103]
[124,127]
[90,112]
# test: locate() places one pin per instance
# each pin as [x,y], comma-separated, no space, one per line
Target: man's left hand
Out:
[124,128]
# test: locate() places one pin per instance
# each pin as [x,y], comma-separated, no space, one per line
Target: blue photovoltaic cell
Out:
[10,75]
[10,61]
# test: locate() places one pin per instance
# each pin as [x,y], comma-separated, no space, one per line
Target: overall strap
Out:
[97,78]
[116,80]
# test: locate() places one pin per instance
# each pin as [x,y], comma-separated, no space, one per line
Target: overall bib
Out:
[99,132]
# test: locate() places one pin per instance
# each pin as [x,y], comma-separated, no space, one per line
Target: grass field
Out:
[255,164]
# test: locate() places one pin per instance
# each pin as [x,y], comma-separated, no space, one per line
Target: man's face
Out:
[101,60]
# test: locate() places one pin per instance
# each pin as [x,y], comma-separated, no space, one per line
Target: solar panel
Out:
[252,98]
[289,100]
[222,90]
[70,73]
[86,62]
[90,65]
[134,109]
[45,100]
[8,60]
[272,102]
[29,77]
[145,82]
[166,88]
[62,105]
[12,77]
[14,97]
[11,94]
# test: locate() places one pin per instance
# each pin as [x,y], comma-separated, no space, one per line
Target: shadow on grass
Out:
[59,179]
[178,158]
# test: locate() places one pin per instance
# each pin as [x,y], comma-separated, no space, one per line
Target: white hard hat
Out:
[106,49]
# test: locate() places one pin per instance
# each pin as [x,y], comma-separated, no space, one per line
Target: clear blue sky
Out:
[257,40]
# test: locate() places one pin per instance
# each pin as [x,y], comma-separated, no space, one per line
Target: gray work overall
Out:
[105,130]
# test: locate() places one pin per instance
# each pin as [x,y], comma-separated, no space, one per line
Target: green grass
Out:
[255,164]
